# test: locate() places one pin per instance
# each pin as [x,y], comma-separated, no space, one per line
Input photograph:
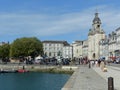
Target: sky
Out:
[67,20]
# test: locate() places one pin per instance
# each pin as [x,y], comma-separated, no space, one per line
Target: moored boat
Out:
[8,71]
[14,71]
[22,71]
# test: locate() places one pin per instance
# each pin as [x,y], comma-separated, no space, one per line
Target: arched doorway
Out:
[94,55]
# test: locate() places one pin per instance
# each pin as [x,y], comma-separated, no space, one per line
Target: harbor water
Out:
[32,81]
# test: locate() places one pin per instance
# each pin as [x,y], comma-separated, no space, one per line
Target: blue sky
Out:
[68,20]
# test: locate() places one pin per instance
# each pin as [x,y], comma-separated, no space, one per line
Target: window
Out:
[45,54]
[49,53]
[45,48]
[98,26]
[50,44]
[77,51]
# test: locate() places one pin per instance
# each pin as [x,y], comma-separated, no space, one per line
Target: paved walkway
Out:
[112,72]
[85,79]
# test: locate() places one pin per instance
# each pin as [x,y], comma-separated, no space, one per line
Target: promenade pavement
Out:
[111,72]
[85,78]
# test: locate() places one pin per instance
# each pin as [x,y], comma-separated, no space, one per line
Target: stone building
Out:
[77,49]
[57,48]
[117,51]
[112,45]
[67,51]
[85,49]
[96,33]
[104,49]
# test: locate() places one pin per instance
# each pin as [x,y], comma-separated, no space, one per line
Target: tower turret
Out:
[96,20]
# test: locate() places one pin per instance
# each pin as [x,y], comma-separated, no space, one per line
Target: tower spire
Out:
[96,18]
[96,10]
[96,13]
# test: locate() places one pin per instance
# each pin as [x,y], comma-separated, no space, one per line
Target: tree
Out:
[4,51]
[26,47]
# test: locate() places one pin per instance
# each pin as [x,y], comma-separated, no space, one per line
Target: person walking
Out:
[96,63]
[102,65]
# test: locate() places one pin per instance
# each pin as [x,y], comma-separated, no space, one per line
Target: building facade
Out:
[57,48]
[117,51]
[104,49]
[67,52]
[3,43]
[112,45]
[97,45]
[85,49]
[96,33]
[77,49]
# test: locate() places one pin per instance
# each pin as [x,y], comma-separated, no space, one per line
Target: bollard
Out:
[110,83]
[89,65]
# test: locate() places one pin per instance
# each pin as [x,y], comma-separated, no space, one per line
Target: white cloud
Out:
[47,25]
[40,24]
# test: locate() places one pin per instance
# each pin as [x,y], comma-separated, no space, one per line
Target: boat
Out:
[8,71]
[22,71]
[14,71]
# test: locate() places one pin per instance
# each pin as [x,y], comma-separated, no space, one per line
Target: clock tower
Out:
[96,33]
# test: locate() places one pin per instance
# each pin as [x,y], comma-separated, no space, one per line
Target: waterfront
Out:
[32,81]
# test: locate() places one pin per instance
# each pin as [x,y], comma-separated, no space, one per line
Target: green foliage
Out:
[4,51]
[52,70]
[26,47]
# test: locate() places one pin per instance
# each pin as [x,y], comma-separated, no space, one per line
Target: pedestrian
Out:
[102,65]
[96,63]
[89,64]
[99,63]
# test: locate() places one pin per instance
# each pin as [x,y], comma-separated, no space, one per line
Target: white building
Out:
[96,33]
[3,43]
[104,53]
[67,52]
[57,48]
[117,51]
[77,49]
[112,45]
[85,49]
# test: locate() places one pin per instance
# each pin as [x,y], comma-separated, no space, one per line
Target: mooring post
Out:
[110,83]
[89,65]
